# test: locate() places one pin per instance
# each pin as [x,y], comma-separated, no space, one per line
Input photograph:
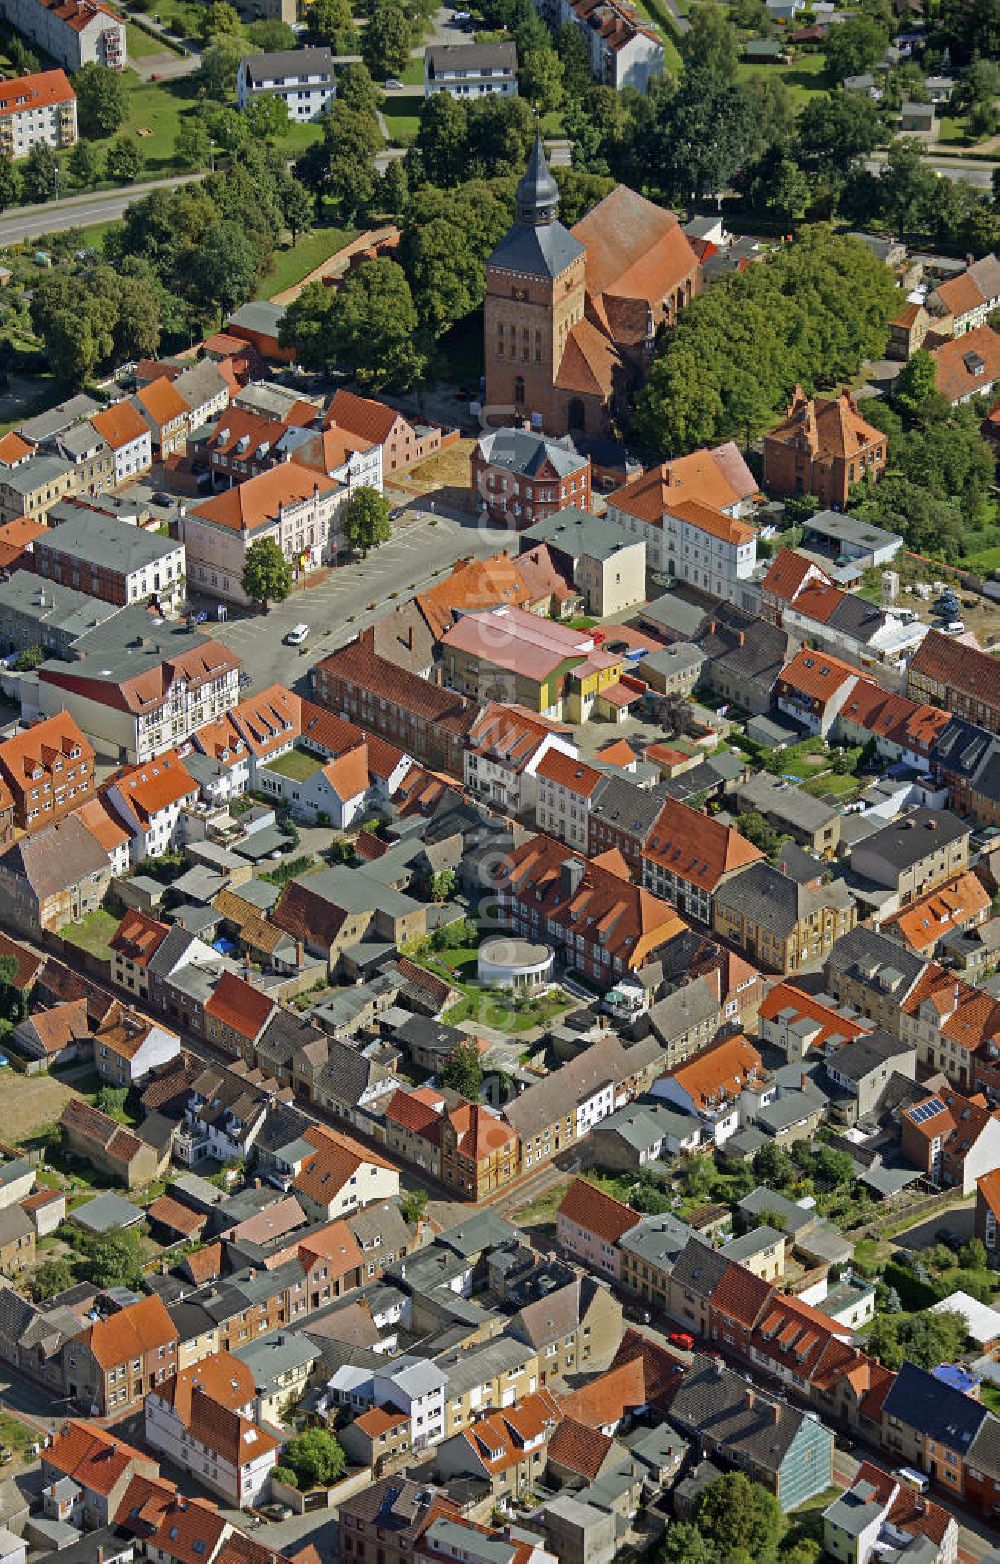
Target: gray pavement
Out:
[966,171]
[79,211]
[351,598]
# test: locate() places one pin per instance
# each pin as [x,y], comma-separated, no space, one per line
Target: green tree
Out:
[102,97]
[916,382]
[221,19]
[572,50]
[357,88]
[733,1512]
[226,127]
[297,207]
[385,46]
[73,348]
[111,1100]
[412,1205]
[115,1259]
[267,118]
[364,519]
[773,1166]
[540,79]
[315,1457]
[41,173]
[284,1474]
[52,1277]
[192,145]
[219,64]
[442,884]
[711,43]
[463,1071]
[226,267]
[84,165]
[124,161]
[10,182]
[442,138]
[307,327]
[684,1544]
[834,131]
[447,279]
[856,46]
[374,326]
[393,190]
[330,22]
[973,1255]
[700,136]
[267,575]
[271,35]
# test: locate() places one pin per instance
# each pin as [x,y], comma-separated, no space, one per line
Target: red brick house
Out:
[520,477]
[402,443]
[48,770]
[822,446]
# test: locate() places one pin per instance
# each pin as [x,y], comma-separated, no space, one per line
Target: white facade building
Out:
[693,542]
[150,802]
[303,78]
[36,111]
[73,32]
[224,1448]
[624,51]
[471,70]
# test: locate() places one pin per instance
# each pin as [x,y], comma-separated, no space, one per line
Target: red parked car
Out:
[680,1338]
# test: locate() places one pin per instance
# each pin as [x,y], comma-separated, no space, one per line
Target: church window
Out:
[538,347]
[525,338]
[500,339]
[519,390]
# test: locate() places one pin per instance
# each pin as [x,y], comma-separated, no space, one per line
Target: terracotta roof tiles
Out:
[598,1213]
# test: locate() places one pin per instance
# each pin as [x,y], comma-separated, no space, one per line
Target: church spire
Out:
[537,192]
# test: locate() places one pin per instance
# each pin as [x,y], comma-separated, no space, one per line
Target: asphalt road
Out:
[351,598]
[967,171]
[81,211]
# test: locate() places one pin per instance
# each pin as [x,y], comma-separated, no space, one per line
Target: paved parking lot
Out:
[957,1219]
[348,600]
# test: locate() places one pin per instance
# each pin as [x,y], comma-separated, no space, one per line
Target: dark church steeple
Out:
[537,195]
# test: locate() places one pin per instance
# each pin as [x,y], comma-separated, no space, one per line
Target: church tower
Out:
[535,289]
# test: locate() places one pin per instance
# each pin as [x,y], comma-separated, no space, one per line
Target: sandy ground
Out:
[29,1101]
[449,467]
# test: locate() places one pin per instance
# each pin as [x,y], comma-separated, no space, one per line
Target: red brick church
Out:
[571,314]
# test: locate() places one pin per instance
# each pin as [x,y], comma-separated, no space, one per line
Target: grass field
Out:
[14,1434]
[311,250]
[296,765]
[831,785]
[803,78]
[140,45]
[401,120]
[93,934]
[982,563]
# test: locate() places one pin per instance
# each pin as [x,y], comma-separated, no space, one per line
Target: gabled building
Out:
[988,1213]
[930,1425]
[879,1512]
[128,1047]
[953,1140]
[964,680]
[823,446]
[591,1225]
[624,50]
[202,1420]
[54,877]
[720,1086]
[813,688]
[522,477]
[504,749]
[74,33]
[688,855]
[115,1362]
[105,1144]
[128,434]
[48,770]
[912,855]
[150,800]
[968,366]
[687,538]
[781,925]
[38,110]
[100,1464]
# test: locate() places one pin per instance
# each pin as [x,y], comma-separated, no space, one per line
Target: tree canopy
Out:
[364,519]
[267,575]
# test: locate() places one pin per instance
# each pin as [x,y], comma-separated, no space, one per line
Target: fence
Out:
[908,1215]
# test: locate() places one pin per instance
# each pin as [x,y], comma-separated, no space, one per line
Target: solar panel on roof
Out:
[926,1110]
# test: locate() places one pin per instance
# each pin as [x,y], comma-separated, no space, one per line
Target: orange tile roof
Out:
[956,378]
[107,831]
[828,427]
[714,523]
[909,1511]
[92,1456]
[788,574]
[155,785]
[188,1530]
[40,746]
[741,1295]
[634,249]
[255,504]
[337,1245]
[336,1160]
[162,401]
[954,664]
[106,1134]
[596,1212]
[989,1188]
[472,584]
[26,94]
[348,774]
[579,1448]
[960,294]
[411,1112]
[362,416]
[785,996]
[603,1402]
[816,674]
[124,1031]
[120,424]
[479,1133]
[138,937]
[225,1378]
[950,906]
[697,848]
[618,753]
[60,1026]
[14,449]
[205,1265]
[132,1332]
[239,1006]
[722,1069]
[378,1420]
[175,1216]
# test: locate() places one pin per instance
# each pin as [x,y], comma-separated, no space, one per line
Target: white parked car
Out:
[296,635]
[956,627]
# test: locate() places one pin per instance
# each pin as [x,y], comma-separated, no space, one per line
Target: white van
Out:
[296,635]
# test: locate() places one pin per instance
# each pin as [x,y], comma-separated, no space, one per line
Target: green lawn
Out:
[413,76]
[989,1395]
[310,251]
[180,16]
[140,45]
[93,934]
[830,785]
[803,78]
[498,1011]
[401,120]
[14,1434]
[982,563]
[296,765]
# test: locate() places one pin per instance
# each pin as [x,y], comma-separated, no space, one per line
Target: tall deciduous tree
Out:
[733,1512]
[856,46]
[364,519]
[227,266]
[375,326]
[101,99]
[10,182]
[463,1071]
[711,43]
[267,575]
[385,47]
[41,173]
[124,161]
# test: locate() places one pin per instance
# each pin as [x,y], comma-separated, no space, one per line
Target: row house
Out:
[869,1517]
[137,690]
[54,877]
[498,1372]
[780,924]
[624,50]
[129,437]
[202,1421]
[963,303]
[911,855]
[600,924]
[932,1426]
[165,1525]
[620,818]
[109,559]
[128,1046]
[965,681]
[564,1106]
[507,1448]
[965,758]
[953,1140]
[48,770]
[118,1359]
[903,729]
[813,688]
[987,1218]
[294,507]
[166,412]
[75,33]
[688,855]
[590,1226]
[688,539]
[565,788]
[99,1463]
[424,720]
[150,799]
[505,747]
[954,1027]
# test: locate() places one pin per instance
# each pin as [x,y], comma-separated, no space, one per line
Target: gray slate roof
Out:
[536,252]
[768,898]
